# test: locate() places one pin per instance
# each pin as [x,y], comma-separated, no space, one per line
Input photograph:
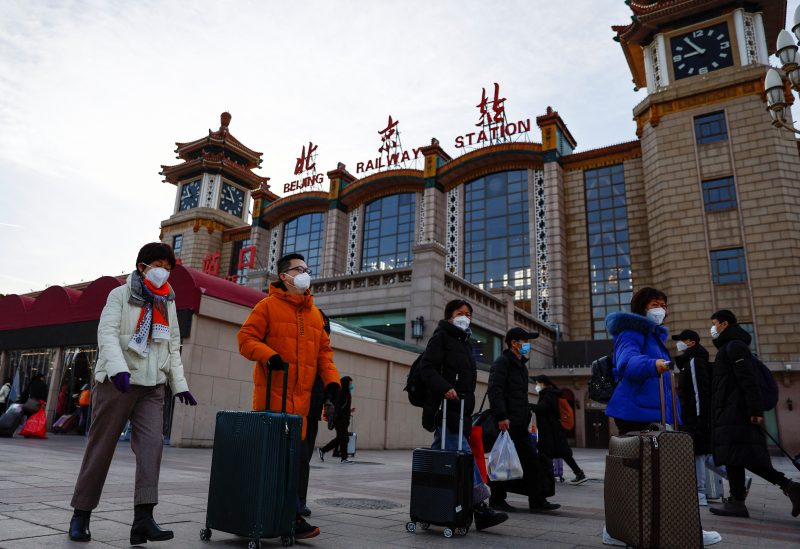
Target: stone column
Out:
[556,247]
[427,296]
[335,247]
[434,215]
[506,293]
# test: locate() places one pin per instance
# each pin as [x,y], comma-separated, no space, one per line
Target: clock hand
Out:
[691,54]
[695,46]
[185,194]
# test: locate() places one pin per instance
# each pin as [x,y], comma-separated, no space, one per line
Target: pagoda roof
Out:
[223,139]
[651,17]
[215,163]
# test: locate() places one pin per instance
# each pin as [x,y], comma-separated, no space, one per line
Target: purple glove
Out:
[186,398]
[122,381]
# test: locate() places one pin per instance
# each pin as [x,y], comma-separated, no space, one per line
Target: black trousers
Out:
[306,452]
[736,476]
[569,460]
[341,440]
[531,474]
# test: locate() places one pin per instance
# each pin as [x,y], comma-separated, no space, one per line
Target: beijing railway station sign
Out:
[494,126]
[392,154]
[305,169]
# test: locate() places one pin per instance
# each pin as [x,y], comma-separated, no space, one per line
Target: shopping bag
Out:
[476,445]
[504,462]
[36,426]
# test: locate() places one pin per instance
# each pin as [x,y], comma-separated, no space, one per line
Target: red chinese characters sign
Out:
[211,263]
[306,164]
[494,127]
[392,153]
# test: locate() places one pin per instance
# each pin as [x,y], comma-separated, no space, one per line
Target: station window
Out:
[728,266]
[303,235]
[719,194]
[388,232]
[234,272]
[177,244]
[709,128]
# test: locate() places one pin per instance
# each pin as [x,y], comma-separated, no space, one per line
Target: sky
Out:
[94,95]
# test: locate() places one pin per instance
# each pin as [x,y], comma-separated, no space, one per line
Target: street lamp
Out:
[773,83]
[417,327]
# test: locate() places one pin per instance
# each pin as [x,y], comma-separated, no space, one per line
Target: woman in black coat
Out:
[552,440]
[341,421]
[450,374]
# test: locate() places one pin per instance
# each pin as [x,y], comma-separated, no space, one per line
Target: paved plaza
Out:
[37,478]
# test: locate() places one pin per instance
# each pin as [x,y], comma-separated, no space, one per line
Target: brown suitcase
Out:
[651,489]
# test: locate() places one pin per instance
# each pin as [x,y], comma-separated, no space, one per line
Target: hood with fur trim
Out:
[616,323]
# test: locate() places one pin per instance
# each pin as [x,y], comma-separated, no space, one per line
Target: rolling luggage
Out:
[254,472]
[558,469]
[10,420]
[715,488]
[651,487]
[441,485]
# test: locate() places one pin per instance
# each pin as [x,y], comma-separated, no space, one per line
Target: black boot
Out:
[144,528]
[79,526]
[792,489]
[486,517]
[731,508]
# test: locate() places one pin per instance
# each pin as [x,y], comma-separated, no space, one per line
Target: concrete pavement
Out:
[363,505]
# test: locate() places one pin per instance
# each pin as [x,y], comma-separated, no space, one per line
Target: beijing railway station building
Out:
[512,216]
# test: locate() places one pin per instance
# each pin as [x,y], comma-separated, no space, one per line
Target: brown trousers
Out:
[144,407]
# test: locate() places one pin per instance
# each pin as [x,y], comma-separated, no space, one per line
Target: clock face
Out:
[231,200]
[701,51]
[190,195]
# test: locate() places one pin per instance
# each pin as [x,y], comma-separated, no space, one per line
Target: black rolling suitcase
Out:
[254,473]
[441,486]
[10,420]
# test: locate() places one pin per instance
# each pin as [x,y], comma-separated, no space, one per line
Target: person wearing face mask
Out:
[137,336]
[508,399]
[448,370]
[286,330]
[640,357]
[738,408]
[341,421]
[552,440]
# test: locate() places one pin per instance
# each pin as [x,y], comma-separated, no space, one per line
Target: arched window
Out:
[388,232]
[303,235]
[496,236]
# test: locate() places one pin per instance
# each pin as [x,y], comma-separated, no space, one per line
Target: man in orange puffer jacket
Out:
[286,327]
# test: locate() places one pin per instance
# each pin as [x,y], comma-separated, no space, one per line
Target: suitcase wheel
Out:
[287,541]
[254,544]
[205,534]
[448,533]
[462,531]
[411,527]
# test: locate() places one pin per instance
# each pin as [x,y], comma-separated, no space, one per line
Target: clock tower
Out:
[720,190]
[213,185]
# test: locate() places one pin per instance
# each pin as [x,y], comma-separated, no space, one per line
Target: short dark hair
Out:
[644,296]
[543,379]
[153,252]
[285,261]
[724,315]
[453,305]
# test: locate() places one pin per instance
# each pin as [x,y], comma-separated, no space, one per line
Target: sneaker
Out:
[303,530]
[792,490]
[502,506]
[701,499]
[580,478]
[731,508]
[608,540]
[486,517]
[321,454]
[710,538]
[346,460]
[305,511]
[543,506]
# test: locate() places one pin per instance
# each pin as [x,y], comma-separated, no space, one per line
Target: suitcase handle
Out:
[674,398]
[285,388]
[460,423]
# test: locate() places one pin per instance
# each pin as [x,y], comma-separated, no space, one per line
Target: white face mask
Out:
[157,276]
[714,332]
[302,281]
[657,315]
[461,322]
[682,346]
[538,389]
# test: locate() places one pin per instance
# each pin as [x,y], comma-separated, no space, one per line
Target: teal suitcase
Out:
[254,471]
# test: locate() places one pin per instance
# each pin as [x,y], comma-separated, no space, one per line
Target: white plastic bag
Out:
[503,460]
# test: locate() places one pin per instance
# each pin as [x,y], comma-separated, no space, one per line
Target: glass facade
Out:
[486,346]
[609,244]
[496,236]
[390,323]
[388,232]
[234,272]
[303,235]
[177,244]
[22,365]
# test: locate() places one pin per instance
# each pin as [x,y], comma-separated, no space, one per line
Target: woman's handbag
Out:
[31,406]
[485,420]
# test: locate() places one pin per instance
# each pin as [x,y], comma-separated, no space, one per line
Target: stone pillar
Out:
[427,296]
[434,216]
[335,248]
[506,293]
[556,247]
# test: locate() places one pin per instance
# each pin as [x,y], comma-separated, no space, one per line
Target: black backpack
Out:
[415,387]
[602,383]
[766,382]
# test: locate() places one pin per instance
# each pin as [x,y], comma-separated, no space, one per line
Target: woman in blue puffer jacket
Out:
[640,357]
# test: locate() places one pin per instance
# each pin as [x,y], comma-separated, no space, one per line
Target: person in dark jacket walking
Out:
[37,389]
[508,399]
[448,369]
[738,404]
[552,440]
[694,393]
[341,421]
